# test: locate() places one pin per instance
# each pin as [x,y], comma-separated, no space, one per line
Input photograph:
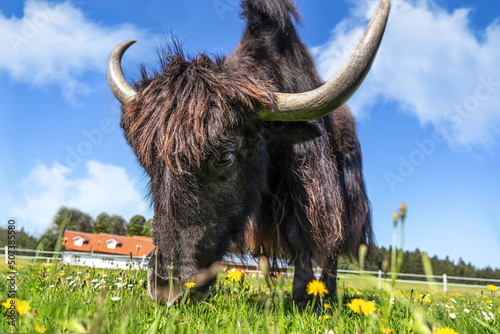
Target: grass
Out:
[54,298]
[79,299]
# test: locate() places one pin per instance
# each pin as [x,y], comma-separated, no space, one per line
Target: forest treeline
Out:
[378,259]
[76,220]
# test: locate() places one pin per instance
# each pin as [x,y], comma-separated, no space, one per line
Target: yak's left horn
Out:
[334,93]
[116,81]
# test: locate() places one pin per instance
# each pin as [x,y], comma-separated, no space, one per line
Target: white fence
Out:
[98,260]
[439,281]
[102,260]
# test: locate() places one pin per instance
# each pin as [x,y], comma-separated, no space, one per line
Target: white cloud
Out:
[54,43]
[105,187]
[432,63]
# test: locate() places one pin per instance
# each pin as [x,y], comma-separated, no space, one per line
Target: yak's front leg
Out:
[302,276]
[303,266]
[329,276]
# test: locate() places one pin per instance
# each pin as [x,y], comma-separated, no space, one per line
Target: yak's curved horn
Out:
[116,81]
[334,93]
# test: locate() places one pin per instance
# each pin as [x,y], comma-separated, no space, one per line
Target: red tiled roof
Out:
[97,242]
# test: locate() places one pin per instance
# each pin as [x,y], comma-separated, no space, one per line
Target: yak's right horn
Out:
[334,93]
[116,81]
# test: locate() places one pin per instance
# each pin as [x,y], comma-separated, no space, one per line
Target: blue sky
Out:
[428,115]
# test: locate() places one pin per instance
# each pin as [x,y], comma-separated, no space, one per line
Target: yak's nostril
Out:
[166,291]
[161,291]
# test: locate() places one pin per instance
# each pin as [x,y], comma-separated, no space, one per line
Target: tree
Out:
[80,222]
[136,226]
[102,223]
[65,219]
[23,239]
[147,228]
[117,225]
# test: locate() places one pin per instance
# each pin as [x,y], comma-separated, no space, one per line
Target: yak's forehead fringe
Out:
[183,112]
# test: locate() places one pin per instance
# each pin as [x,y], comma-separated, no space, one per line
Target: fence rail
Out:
[138,262]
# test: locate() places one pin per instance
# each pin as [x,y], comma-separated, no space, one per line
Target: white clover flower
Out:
[453,316]
[486,316]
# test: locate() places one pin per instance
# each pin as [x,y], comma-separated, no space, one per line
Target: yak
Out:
[250,150]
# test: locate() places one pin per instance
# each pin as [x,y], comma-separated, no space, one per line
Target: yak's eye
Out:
[225,159]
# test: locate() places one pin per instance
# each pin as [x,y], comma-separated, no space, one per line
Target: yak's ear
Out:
[286,133]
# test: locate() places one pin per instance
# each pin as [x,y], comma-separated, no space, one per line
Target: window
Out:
[111,243]
[78,241]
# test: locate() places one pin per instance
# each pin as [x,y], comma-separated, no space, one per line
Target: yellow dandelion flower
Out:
[189,285]
[402,210]
[395,218]
[326,317]
[7,303]
[492,287]
[234,275]
[427,300]
[48,269]
[446,330]
[316,287]
[359,305]
[385,330]
[22,306]
[326,305]
[40,329]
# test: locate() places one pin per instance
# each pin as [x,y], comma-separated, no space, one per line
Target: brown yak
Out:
[251,146]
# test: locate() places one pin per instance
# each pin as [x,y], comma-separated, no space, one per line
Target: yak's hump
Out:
[274,13]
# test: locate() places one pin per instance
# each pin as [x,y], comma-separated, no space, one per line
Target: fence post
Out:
[36,256]
[6,255]
[379,279]
[445,283]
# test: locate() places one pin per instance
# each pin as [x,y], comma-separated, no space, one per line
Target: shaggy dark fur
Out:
[219,174]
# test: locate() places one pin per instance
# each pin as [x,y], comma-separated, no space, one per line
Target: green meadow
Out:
[54,298]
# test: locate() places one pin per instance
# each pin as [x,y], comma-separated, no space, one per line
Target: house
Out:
[114,251]
[105,250]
